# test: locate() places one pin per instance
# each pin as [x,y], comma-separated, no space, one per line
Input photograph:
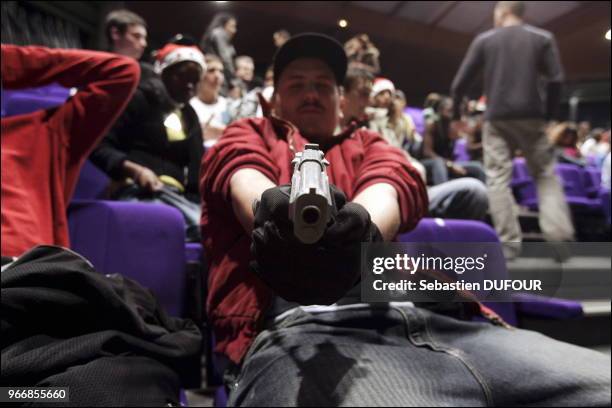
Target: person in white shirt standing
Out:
[210,106]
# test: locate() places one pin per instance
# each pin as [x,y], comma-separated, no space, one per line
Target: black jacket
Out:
[105,337]
[139,135]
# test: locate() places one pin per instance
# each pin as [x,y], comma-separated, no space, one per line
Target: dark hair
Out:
[182,39]
[121,20]
[353,76]
[515,7]
[219,20]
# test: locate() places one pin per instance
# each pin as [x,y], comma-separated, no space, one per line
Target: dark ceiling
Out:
[421,43]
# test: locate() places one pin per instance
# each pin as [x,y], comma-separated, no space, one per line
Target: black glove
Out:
[319,273]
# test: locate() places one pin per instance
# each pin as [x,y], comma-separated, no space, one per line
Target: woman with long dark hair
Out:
[217,39]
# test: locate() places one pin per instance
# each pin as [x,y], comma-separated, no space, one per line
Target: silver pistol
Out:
[310,202]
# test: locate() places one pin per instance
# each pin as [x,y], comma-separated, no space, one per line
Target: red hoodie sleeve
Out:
[242,146]
[384,163]
[105,81]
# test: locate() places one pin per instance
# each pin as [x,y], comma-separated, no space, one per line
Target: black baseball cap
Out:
[312,45]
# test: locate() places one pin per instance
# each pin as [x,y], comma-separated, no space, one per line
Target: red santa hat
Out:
[382,84]
[172,54]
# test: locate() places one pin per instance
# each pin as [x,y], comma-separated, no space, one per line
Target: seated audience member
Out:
[154,149]
[464,198]
[348,353]
[43,151]
[597,146]
[583,129]
[245,71]
[388,117]
[474,129]
[211,107]
[439,141]
[280,37]
[564,138]
[235,90]
[415,140]
[362,53]
[605,172]
[269,78]
[126,33]
[589,145]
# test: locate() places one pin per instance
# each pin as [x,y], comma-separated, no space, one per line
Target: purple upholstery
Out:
[573,179]
[92,183]
[537,306]
[592,181]
[220,397]
[193,252]
[439,230]
[604,196]
[460,151]
[23,101]
[417,117]
[571,176]
[144,242]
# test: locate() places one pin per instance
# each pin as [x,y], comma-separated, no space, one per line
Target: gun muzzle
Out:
[310,202]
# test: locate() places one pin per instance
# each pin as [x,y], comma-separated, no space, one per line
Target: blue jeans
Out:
[437,172]
[463,198]
[372,355]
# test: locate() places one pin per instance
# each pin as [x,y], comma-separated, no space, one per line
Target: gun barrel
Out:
[310,201]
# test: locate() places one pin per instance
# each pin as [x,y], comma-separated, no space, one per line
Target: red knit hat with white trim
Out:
[382,84]
[172,54]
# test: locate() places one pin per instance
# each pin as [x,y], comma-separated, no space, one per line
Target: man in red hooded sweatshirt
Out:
[42,151]
[287,317]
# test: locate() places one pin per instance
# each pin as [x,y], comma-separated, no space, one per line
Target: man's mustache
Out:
[316,105]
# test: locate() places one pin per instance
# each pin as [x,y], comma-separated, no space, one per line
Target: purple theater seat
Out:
[193,252]
[92,183]
[19,102]
[145,242]
[522,184]
[592,181]
[417,117]
[604,196]
[442,230]
[537,306]
[572,179]
[460,151]
[439,230]
[220,397]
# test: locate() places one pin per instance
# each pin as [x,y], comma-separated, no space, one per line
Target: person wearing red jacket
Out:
[290,329]
[43,151]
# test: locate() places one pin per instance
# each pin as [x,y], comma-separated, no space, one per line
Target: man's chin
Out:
[315,136]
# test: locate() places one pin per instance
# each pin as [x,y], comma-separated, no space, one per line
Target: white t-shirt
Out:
[204,111]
